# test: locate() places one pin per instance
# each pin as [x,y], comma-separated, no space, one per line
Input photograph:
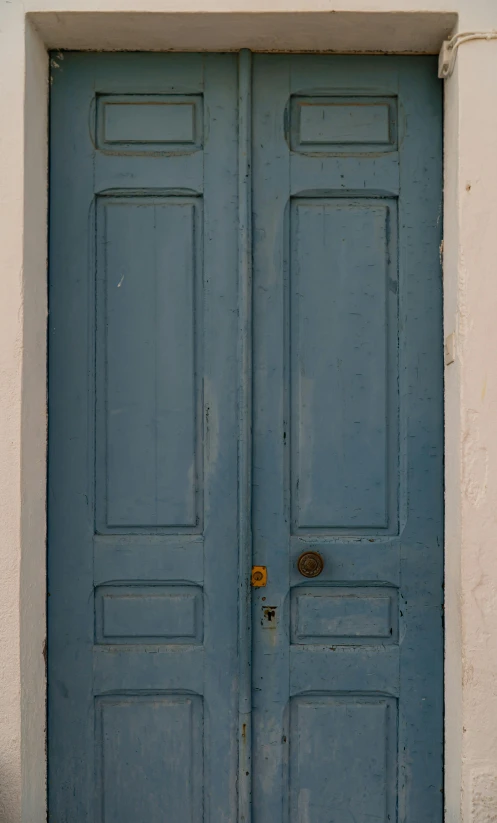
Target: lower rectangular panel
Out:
[343,759]
[149,758]
[148,614]
[344,615]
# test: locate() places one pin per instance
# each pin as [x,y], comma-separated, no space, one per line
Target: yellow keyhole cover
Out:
[259,576]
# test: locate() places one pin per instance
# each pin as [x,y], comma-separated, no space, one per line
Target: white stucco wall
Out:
[471,433]
[470,284]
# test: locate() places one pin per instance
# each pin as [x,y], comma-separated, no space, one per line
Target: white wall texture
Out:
[471,442]
[470,283]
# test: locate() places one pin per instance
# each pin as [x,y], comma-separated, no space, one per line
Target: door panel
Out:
[142,565]
[347,671]
[149,303]
[148,244]
[355,737]
[343,344]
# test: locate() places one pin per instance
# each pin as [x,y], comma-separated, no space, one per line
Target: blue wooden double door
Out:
[245,369]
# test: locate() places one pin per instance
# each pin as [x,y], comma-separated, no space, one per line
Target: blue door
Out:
[347,661]
[245,370]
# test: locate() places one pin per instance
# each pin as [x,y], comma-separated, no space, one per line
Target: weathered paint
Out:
[143,445]
[151,456]
[245,572]
[347,441]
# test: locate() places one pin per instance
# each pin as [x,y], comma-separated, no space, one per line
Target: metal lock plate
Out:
[259,576]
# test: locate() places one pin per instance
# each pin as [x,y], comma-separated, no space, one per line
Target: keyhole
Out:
[270,613]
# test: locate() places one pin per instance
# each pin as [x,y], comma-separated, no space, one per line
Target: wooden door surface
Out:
[142,567]
[245,381]
[348,665]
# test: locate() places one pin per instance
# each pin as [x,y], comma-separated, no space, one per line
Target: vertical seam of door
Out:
[244,431]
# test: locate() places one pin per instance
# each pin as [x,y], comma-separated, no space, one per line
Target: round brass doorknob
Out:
[310,564]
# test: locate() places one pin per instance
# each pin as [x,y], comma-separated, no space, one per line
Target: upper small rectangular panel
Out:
[149,123]
[331,125]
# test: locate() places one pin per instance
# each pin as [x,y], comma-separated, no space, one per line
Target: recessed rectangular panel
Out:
[324,125]
[149,614]
[344,616]
[149,759]
[332,122]
[149,123]
[343,759]
[343,342]
[149,391]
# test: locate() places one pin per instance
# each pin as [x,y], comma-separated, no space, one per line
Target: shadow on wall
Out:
[10,789]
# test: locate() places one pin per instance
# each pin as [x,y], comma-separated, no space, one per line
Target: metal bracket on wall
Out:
[448,52]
